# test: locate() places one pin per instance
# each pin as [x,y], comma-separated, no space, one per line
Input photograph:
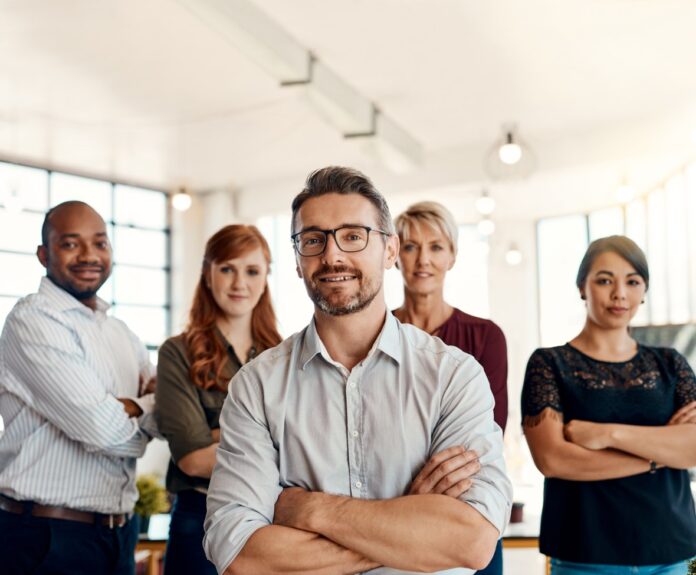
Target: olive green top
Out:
[186,413]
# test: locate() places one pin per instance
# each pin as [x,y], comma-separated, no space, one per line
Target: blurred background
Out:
[540,124]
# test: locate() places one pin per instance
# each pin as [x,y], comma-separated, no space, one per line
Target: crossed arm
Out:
[588,451]
[318,533]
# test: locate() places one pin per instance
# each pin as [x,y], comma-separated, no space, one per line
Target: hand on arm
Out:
[556,456]
[418,533]
[447,472]
[672,445]
[132,408]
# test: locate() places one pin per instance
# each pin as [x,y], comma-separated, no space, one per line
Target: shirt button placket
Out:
[353,422]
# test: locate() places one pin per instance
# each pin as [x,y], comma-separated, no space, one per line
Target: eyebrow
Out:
[73,235]
[344,225]
[612,273]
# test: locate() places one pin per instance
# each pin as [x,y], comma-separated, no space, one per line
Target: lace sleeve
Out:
[540,389]
[686,381]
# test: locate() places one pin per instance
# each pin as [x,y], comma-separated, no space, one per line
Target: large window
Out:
[138,227]
[466,286]
[663,223]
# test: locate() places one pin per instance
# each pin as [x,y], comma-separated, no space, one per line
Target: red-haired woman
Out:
[231,321]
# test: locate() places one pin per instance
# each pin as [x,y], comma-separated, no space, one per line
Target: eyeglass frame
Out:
[332,232]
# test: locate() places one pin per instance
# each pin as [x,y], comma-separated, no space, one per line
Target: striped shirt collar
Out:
[63,301]
[387,342]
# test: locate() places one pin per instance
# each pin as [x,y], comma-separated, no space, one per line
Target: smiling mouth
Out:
[336,279]
[87,273]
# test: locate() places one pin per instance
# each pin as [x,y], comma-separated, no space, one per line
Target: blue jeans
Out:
[495,567]
[559,567]
[44,546]
[185,555]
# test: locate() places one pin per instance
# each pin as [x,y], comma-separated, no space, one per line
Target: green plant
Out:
[692,567]
[152,496]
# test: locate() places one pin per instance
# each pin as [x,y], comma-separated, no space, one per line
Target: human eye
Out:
[602,281]
[354,235]
[253,271]
[224,269]
[409,247]
[68,244]
[311,239]
[437,247]
[634,282]
[102,244]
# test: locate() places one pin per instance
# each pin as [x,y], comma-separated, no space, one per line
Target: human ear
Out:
[42,254]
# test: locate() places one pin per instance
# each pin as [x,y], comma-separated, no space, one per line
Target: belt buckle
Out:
[113,522]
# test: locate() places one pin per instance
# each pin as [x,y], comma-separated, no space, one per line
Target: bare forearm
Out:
[282,550]
[199,463]
[671,445]
[416,533]
[576,463]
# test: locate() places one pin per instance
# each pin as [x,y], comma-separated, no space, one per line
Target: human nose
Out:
[332,252]
[88,253]
[619,291]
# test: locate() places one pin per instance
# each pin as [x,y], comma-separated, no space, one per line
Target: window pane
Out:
[608,222]
[561,244]
[691,228]
[466,286]
[140,247]
[139,207]
[28,186]
[6,305]
[25,276]
[139,286]
[637,230]
[657,258]
[96,193]
[21,232]
[677,255]
[149,324]
[293,308]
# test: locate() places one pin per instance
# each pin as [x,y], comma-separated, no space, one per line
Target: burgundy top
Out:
[485,341]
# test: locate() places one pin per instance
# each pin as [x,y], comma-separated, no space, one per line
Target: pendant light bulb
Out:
[181,201]
[510,153]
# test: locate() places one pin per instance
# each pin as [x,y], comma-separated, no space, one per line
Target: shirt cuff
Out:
[146,403]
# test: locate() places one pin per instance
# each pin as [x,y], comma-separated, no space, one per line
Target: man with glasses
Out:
[322,436]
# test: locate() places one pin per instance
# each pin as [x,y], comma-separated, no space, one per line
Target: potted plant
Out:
[152,499]
[692,567]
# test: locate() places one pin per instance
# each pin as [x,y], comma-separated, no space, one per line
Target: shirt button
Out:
[358,484]
[354,434]
[352,385]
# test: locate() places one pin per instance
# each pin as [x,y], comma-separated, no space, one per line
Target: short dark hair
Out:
[341,180]
[46,225]
[620,245]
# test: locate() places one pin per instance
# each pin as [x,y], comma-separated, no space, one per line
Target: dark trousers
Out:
[185,555]
[495,567]
[43,546]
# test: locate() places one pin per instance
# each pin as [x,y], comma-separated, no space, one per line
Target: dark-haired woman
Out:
[611,424]
[231,320]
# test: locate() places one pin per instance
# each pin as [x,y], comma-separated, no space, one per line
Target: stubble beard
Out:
[367,291]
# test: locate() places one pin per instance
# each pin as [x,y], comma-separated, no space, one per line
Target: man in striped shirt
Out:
[70,377]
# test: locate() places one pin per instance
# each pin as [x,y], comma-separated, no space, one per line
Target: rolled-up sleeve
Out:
[467,419]
[245,484]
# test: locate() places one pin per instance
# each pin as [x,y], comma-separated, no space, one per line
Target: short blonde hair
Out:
[433,214]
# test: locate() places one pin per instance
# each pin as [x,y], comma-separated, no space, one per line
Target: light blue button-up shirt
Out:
[295,417]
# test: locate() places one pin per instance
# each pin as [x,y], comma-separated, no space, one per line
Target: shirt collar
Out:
[63,301]
[388,342]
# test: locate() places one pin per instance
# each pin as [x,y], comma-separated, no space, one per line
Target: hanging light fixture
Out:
[513,255]
[485,204]
[509,157]
[181,201]
[486,227]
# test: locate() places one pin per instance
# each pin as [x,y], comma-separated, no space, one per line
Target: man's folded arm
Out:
[243,491]
[53,378]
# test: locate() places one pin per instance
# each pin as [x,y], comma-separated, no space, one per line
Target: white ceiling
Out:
[147,92]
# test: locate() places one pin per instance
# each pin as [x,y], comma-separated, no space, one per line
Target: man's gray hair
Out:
[340,180]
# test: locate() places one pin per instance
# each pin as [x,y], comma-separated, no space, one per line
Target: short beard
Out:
[366,293]
[79,295]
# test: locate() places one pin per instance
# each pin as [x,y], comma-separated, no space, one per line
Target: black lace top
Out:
[644,519]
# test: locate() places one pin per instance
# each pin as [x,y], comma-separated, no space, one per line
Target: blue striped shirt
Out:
[68,441]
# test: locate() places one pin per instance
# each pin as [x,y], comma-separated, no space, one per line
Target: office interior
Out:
[176,117]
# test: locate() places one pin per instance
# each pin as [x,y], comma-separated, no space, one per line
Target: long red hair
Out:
[207,353]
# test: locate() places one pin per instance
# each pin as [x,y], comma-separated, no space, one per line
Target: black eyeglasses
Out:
[347,238]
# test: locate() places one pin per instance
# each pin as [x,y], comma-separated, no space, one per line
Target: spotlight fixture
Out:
[485,204]
[513,256]
[181,201]
[509,157]
[625,192]
[486,227]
